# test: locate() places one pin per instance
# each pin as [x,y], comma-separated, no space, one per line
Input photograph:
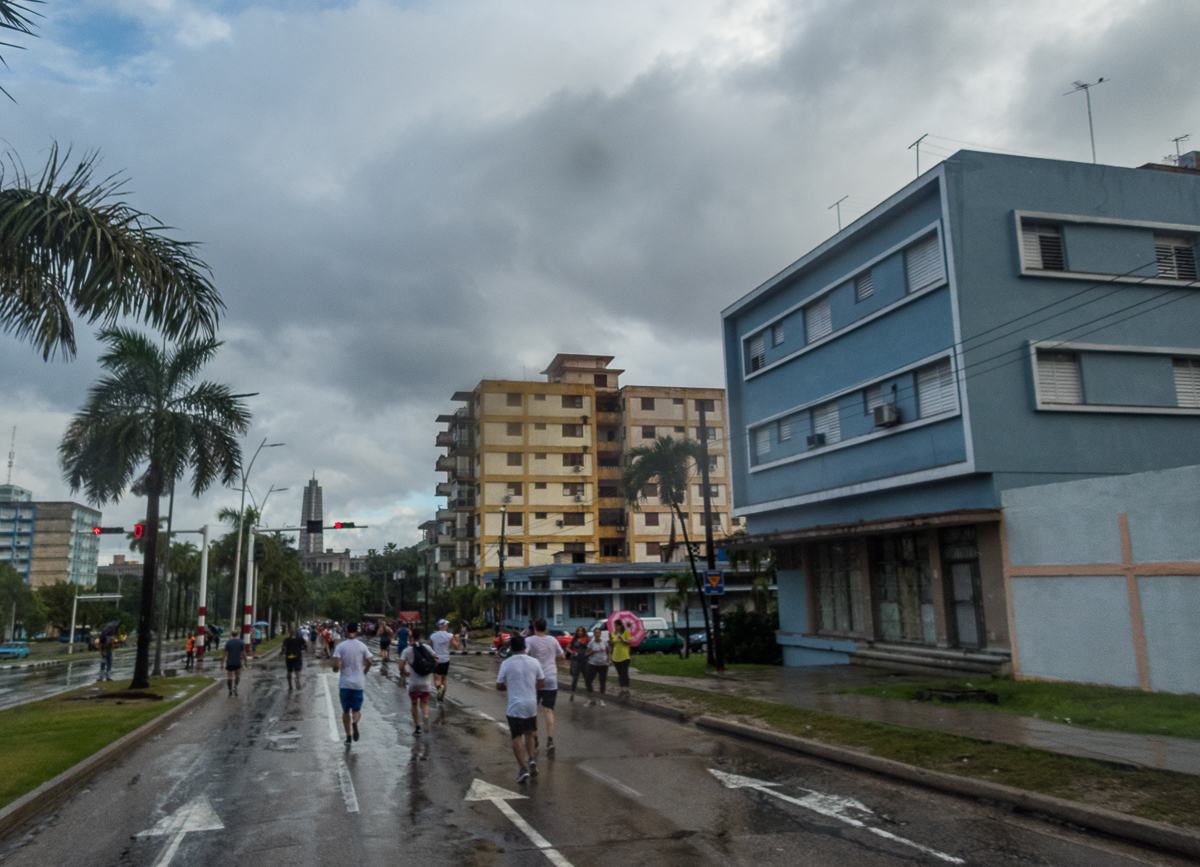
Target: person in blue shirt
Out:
[232,659]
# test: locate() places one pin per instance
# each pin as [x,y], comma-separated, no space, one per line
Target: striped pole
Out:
[200,625]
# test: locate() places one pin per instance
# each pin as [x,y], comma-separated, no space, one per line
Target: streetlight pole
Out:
[237,557]
[500,574]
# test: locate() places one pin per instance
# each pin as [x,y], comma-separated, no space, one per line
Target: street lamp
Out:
[237,559]
[262,511]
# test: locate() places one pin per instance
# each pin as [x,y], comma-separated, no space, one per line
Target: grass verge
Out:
[1163,796]
[44,738]
[1108,708]
[695,665]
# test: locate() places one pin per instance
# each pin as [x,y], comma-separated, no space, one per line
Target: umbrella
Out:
[262,623]
[633,623]
[110,628]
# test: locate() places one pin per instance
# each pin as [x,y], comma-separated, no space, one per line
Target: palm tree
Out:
[70,246]
[145,424]
[667,462]
[18,17]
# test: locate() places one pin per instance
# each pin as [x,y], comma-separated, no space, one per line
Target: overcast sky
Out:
[400,199]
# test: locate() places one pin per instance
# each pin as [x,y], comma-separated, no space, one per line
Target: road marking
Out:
[833,806]
[347,784]
[503,727]
[198,815]
[616,784]
[481,791]
[333,731]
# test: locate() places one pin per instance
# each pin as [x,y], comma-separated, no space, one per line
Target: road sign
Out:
[714,583]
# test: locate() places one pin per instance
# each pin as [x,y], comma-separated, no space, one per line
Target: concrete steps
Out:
[932,660]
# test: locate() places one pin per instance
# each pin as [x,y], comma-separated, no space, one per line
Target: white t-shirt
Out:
[354,655]
[416,682]
[520,673]
[545,650]
[600,657]
[441,645]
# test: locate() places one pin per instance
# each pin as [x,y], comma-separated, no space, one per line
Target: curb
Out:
[32,804]
[659,710]
[1159,835]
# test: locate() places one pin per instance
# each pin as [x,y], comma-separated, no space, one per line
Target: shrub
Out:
[749,636]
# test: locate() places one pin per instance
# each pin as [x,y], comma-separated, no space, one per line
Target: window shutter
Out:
[818,321]
[762,442]
[777,334]
[924,262]
[935,389]
[1187,381]
[785,430]
[825,421]
[758,352]
[1176,258]
[1042,247]
[873,397]
[864,286]
[1058,377]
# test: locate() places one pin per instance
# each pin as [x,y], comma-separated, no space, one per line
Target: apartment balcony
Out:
[461,503]
[464,562]
[445,539]
[445,489]
[607,418]
[445,514]
[465,473]
[445,439]
[446,464]
[445,565]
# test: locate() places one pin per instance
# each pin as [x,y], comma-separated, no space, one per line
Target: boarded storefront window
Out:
[839,586]
[588,607]
[903,590]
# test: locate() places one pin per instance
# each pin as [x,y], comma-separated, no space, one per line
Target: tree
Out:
[18,17]
[145,424]
[56,601]
[18,602]
[667,462]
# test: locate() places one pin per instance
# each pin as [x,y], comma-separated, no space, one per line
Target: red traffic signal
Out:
[343,525]
[138,531]
[100,531]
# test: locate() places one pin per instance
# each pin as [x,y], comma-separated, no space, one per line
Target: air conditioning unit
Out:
[887,415]
[577,469]
[559,523]
[579,498]
[508,499]
[816,441]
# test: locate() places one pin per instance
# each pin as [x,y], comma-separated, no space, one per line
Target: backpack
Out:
[424,661]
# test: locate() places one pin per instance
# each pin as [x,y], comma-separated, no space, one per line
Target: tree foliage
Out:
[16,597]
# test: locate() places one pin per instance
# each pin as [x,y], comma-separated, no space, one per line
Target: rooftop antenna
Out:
[12,453]
[1177,140]
[1087,93]
[917,145]
[838,205]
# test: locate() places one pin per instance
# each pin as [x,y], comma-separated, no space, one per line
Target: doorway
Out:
[960,554]
[903,589]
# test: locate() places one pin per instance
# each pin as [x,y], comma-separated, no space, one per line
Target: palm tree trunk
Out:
[708,642]
[141,666]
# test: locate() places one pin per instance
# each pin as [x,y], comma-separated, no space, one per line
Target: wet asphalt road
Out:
[260,779]
[20,685]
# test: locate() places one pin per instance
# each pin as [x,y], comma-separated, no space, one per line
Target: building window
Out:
[716,519]
[650,489]
[514,459]
[1176,257]
[706,404]
[539,397]
[600,380]
[712,432]
[572,460]
[590,607]
[572,489]
[818,320]
[608,459]
[762,442]
[539,425]
[935,389]
[514,489]
[923,262]
[1042,247]
[572,401]
[647,432]
[647,403]
[653,549]
[612,549]
[758,352]
[777,334]
[785,430]
[539,456]
[838,580]
[872,398]
[825,421]
[572,430]
[539,486]
[540,516]
[677,401]
[514,398]
[639,603]
[678,428]
[513,428]
[541,546]
[713,491]
[515,549]
[1187,382]
[609,489]
[514,519]
[712,463]
[1058,377]
[611,518]
[573,519]
[652,519]
[864,286]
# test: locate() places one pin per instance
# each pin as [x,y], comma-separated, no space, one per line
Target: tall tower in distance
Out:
[311,510]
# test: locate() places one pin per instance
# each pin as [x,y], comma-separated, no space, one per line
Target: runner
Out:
[402,637]
[546,651]
[293,656]
[421,659]
[597,655]
[442,640]
[232,658]
[622,641]
[521,677]
[353,660]
[385,640]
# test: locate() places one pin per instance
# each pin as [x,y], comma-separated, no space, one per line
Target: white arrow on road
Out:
[198,815]
[481,791]
[834,806]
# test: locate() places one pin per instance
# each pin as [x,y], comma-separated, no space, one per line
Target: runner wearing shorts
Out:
[353,660]
[232,659]
[385,641]
[547,651]
[419,685]
[442,640]
[293,657]
[521,677]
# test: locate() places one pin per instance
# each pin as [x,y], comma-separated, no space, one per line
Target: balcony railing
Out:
[445,439]
[444,489]
[446,464]
[464,562]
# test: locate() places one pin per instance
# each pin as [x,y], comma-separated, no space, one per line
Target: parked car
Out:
[14,650]
[698,642]
[500,642]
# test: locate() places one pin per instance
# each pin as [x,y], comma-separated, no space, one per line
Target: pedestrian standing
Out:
[107,642]
[463,635]
[521,677]
[547,651]
[352,660]
[622,644]
[232,660]
[597,667]
[190,650]
[293,657]
[385,641]
[577,651]
[442,641]
[420,658]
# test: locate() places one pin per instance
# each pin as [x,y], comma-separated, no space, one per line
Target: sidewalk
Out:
[813,688]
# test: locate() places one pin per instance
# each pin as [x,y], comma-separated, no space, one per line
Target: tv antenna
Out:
[12,450]
[838,205]
[917,145]
[1177,140]
[1087,93]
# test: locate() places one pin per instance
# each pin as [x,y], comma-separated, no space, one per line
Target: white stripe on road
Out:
[347,784]
[616,784]
[333,730]
[538,840]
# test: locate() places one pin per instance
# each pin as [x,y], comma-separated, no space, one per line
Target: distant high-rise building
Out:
[311,510]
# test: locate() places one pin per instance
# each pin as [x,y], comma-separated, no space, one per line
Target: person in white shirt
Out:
[442,642]
[419,685]
[547,651]
[352,660]
[521,677]
[598,656]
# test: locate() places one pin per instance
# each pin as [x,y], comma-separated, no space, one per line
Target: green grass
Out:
[1098,707]
[695,665]
[1163,796]
[44,738]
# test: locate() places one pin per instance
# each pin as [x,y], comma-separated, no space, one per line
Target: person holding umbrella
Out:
[108,640]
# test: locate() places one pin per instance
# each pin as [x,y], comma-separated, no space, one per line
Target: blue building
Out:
[17,515]
[1001,322]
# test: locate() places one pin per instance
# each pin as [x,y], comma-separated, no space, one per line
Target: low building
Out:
[334,561]
[65,545]
[120,569]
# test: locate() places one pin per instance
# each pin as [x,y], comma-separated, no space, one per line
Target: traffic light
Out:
[138,531]
[260,551]
[100,531]
[343,525]
[313,527]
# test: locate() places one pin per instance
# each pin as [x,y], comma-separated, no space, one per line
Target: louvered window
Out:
[1176,257]
[825,421]
[1058,377]
[923,260]
[935,388]
[1042,247]
[872,398]
[1187,381]
[777,334]
[864,286]
[785,430]
[758,352]
[762,442]
[818,321]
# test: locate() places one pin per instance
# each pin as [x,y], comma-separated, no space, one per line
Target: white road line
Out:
[616,784]
[347,784]
[333,731]
[481,791]
[485,716]
[195,816]
[503,727]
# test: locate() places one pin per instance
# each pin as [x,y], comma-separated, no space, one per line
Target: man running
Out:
[442,640]
[547,651]
[293,656]
[421,660]
[521,677]
[353,660]
[385,641]
[232,659]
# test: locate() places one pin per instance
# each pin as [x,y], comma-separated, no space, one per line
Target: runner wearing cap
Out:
[442,641]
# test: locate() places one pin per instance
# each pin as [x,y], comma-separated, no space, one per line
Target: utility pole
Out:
[718,650]
[500,574]
[233,608]
[917,145]
[838,205]
[1087,93]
